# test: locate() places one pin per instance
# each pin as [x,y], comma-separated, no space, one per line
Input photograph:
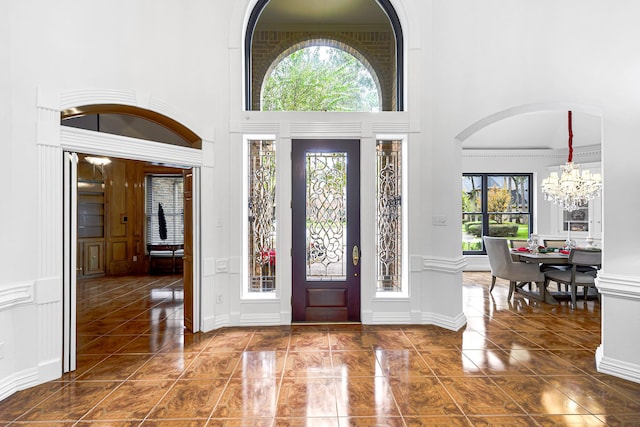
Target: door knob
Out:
[355,255]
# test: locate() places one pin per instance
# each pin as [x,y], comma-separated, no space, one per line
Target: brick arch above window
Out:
[337,44]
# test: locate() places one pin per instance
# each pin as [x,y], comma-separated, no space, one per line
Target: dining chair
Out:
[503,266]
[518,243]
[584,263]
[553,243]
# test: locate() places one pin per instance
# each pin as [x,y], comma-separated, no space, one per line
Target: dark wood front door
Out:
[326,230]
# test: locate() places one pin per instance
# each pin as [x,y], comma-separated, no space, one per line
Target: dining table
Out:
[546,258]
[553,258]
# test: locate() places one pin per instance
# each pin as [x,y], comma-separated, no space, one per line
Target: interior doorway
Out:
[108,228]
[326,230]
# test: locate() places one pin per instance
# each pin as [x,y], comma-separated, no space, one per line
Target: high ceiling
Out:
[323,12]
[544,130]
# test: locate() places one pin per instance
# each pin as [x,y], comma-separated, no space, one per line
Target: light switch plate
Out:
[439,220]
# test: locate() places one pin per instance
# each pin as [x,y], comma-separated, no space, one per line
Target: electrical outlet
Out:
[219,299]
[1,350]
[135,258]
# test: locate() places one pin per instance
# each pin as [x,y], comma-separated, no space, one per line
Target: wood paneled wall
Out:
[124,215]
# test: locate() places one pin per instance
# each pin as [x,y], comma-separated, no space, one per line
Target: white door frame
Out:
[70,198]
[102,144]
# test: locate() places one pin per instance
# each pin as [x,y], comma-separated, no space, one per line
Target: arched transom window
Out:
[359,33]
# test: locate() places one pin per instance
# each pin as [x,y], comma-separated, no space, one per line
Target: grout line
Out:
[226,385]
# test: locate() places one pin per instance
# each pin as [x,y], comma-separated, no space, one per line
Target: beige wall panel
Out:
[119,251]
[93,262]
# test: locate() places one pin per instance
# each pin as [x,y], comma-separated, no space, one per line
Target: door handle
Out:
[355,255]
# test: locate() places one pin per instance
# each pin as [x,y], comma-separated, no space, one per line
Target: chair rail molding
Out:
[627,287]
[444,265]
[16,294]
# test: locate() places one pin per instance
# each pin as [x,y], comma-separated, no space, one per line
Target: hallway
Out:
[519,363]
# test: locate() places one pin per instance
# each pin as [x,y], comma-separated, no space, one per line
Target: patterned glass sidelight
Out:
[389,216]
[262,216]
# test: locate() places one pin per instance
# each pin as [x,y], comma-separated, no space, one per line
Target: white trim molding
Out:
[391,318]
[18,381]
[477,263]
[13,295]
[617,368]
[444,265]
[616,355]
[446,322]
[91,142]
[260,319]
[626,287]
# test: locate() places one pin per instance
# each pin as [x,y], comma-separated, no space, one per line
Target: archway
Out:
[52,141]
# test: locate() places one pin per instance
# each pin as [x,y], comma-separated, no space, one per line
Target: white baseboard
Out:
[211,323]
[402,318]
[617,368]
[50,370]
[260,319]
[446,322]
[18,381]
[450,323]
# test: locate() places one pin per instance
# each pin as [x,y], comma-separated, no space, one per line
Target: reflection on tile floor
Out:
[516,362]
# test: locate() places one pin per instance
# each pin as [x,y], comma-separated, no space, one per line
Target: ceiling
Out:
[543,130]
[323,12]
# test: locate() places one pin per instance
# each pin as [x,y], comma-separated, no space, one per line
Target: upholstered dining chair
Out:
[587,260]
[553,243]
[518,243]
[503,266]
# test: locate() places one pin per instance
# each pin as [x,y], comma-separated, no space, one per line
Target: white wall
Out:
[466,60]
[496,54]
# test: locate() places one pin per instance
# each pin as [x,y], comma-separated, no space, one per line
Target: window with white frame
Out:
[165,209]
[261,202]
[497,205]
[389,216]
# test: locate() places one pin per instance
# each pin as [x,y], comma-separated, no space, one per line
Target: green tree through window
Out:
[320,78]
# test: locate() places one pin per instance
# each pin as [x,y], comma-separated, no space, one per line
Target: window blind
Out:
[165,191]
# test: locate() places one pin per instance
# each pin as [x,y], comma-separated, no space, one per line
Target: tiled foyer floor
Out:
[515,363]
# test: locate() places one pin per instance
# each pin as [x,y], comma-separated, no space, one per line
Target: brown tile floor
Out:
[515,363]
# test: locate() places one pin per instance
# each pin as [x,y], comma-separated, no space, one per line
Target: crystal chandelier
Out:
[571,189]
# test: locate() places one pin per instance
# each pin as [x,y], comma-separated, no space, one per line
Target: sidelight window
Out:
[389,216]
[261,204]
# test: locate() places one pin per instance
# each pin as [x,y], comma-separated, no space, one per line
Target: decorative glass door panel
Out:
[326,230]
[326,214]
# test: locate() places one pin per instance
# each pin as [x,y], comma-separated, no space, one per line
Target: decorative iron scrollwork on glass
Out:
[262,216]
[389,216]
[326,215]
